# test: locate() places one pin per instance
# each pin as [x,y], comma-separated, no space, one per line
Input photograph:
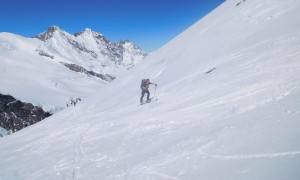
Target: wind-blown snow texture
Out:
[240,121]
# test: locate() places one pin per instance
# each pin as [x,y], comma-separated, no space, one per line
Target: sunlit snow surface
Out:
[240,121]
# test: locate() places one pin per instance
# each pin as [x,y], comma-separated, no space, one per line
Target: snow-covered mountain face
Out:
[228,108]
[91,50]
[56,67]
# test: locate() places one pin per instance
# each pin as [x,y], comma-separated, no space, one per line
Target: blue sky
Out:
[148,23]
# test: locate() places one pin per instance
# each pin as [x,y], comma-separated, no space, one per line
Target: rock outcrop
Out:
[16,115]
[76,68]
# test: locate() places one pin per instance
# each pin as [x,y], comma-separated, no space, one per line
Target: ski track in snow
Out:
[79,153]
[163,176]
[254,156]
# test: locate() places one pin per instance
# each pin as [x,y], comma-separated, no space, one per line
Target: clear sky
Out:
[148,23]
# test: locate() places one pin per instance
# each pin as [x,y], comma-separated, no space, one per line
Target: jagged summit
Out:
[48,34]
[88,29]
[54,28]
[90,32]
[91,47]
[44,36]
[125,41]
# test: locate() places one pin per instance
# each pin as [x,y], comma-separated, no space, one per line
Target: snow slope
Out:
[239,121]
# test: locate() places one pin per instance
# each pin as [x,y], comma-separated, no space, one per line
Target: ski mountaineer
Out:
[145,86]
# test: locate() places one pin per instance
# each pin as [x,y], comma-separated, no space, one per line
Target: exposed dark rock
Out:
[76,68]
[80,47]
[239,3]
[211,70]
[3,106]
[4,100]
[48,34]
[16,115]
[43,53]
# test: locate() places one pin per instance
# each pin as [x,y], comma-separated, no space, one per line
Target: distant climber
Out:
[145,86]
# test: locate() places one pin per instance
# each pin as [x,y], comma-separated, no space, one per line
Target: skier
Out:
[145,86]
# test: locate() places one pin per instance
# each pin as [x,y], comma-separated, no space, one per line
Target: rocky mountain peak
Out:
[85,31]
[126,42]
[89,46]
[48,34]
[53,28]
[88,31]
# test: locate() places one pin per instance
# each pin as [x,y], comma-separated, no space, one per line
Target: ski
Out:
[149,101]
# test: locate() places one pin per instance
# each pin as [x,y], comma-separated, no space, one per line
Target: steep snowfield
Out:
[228,108]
